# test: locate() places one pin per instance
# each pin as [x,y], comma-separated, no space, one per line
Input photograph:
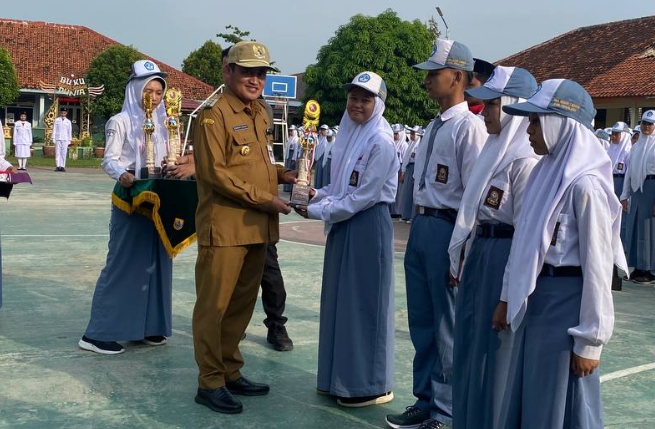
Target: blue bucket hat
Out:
[512,81]
[448,54]
[558,96]
[372,82]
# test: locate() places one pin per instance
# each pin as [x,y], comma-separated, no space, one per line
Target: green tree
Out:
[235,36]
[384,44]
[205,64]
[9,89]
[111,68]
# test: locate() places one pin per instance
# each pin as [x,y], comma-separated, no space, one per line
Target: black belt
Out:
[495,230]
[449,215]
[650,176]
[621,175]
[568,271]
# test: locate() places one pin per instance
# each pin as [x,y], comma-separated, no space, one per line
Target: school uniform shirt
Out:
[373,180]
[62,130]
[650,169]
[119,156]
[410,155]
[456,147]
[23,133]
[502,199]
[577,241]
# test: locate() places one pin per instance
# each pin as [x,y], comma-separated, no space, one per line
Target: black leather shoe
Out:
[244,387]
[279,338]
[219,400]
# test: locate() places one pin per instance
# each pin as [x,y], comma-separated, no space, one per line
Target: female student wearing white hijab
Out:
[406,205]
[22,140]
[356,334]
[319,156]
[292,154]
[400,145]
[490,206]
[556,294]
[132,299]
[639,187]
[619,153]
[7,167]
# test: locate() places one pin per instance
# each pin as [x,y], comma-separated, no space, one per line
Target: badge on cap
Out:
[178,224]
[149,66]
[364,78]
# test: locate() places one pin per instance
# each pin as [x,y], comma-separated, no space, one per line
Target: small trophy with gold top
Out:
[149,171]
[300,191]
[173,102]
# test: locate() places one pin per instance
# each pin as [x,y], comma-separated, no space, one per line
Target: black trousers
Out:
[273,294]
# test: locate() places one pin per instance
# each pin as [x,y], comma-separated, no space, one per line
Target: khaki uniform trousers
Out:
[227,284]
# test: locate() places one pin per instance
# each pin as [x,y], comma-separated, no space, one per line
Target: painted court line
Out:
[626,372]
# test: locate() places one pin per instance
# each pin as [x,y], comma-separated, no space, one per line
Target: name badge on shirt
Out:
[619,166]
[494,197]
[553,241]
[413,155]
[271,156]
[354,178]
[442,174]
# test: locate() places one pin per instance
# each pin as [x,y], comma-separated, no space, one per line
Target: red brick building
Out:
[46,52]
[615,62]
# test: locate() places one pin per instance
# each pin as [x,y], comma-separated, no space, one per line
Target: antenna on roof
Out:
[444,22]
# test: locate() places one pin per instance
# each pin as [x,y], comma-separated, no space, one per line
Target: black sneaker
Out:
[157,340]
[412,418]
[431,424]
[278,337]
[102,347]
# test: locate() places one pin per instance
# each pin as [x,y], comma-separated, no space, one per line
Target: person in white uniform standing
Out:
[22,140]
[556,294]
[62,134]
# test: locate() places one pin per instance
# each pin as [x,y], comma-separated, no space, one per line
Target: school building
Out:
[51,61]
[615,62]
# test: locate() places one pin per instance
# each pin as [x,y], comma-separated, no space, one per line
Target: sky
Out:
[294,31]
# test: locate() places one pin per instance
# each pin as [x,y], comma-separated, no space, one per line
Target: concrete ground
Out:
[54,241]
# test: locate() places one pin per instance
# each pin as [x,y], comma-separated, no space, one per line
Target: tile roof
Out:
[616,59]
[46,51]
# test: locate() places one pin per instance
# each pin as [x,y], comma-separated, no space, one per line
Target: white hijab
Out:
[352,142]
[292,143]
[641,152]
[133,107]
[616,150]
[411,148]
[574,152]
[499,151]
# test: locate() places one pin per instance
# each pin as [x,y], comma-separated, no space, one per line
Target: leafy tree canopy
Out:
[205,64]
[111,68]
[386,45]
[9,89]
[235,36]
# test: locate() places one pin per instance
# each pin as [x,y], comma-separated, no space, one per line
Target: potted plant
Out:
[48,148]
[99,149]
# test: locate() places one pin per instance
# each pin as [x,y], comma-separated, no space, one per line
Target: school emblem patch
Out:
[354,178]
[442,173]
[494,197]
[178,224]
[148,66]
[364,78]
[619,166]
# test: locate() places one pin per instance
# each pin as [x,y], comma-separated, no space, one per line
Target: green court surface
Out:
[54,242]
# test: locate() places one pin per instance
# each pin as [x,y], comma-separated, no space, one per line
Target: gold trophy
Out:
[300,191]
[173,100]
[149,171]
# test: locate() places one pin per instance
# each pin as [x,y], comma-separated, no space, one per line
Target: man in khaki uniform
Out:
[237,217]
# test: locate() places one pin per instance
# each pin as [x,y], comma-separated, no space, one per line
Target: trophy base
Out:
[300,195]
[156,174]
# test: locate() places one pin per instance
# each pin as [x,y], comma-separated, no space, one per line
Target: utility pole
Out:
[444,22]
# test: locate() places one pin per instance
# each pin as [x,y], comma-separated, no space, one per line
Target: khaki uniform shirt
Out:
[236,179]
